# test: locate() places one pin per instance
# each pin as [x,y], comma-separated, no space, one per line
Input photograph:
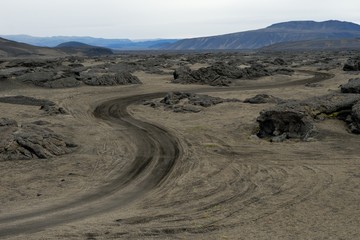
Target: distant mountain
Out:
[276,33]
[117,44]
[319,44]
[14,49]
[83,49]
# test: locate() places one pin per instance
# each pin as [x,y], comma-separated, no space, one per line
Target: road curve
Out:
[157,153]
[154,160]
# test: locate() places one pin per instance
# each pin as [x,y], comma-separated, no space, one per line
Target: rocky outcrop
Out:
[206,76]
[353,86]
[296,119]
[219,74]
[53,109]
[188,102]
[49,79]
[30,141]
[120,78]
[24,100]
[263,98]
[280,123]
[352,64]
[354,119]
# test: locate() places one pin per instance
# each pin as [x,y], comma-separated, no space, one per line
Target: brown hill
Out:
[15,49]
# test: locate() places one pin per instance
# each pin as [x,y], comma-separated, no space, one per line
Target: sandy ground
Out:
[227,184]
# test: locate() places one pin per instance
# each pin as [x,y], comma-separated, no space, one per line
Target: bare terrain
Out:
[175,146]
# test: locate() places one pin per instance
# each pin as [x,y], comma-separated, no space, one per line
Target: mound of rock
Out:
[49,79]
[207,76]
[30,141]
[47,106]
[279,61]
[280,124]
[353,86]
[120,78]
[354,119]
[263,98]
[188,102]
[221,74]
[24,100]
[296,119]
[352,64]
[53,109]
[33,63]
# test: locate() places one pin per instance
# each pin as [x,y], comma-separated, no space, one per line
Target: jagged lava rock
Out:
[353,86]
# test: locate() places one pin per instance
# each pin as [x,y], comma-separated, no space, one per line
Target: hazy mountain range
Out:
[116,44]
[276,33]
[294,35]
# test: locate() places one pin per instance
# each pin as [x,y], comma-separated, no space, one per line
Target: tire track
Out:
[158,152]
[152,164]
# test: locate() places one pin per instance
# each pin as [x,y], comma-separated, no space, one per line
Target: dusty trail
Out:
[153,162]
[157,154]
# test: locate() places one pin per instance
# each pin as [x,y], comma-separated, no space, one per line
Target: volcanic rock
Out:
[281,123]
[353,86]
[49,79]
[296,119]
[52,109]
[219,74]
[352,64]
[188,102]
[24,100]
[262,98]
[354,123]
[30,141]
[120,78]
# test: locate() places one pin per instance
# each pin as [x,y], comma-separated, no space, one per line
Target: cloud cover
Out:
[144,19]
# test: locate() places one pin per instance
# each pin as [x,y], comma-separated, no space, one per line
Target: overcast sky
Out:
[145,19]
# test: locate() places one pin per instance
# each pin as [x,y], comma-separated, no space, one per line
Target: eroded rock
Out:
[353,86]
[221,74]
[354,120]
[188,102]
[263,98]
[352,64]
[120,78]
[296,119]
[30,141]
[279,124]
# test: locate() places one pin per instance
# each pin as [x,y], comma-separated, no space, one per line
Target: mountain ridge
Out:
[113,43]
[275,33]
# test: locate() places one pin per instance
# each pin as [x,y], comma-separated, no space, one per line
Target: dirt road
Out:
[158,153]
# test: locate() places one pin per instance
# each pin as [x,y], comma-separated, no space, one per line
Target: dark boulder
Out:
[354,123]
[296,118]
[353,86]
[352,64]
[31,141]
[281,123]
[262,98]
[53,110]
[279,61]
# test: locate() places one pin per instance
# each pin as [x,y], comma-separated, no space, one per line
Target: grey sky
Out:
[144,19]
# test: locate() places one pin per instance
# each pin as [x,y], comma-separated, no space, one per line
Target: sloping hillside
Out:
[14,49]
[276,33]
[83,49]
[319,44]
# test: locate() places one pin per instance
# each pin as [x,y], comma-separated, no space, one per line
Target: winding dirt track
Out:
[157,154]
